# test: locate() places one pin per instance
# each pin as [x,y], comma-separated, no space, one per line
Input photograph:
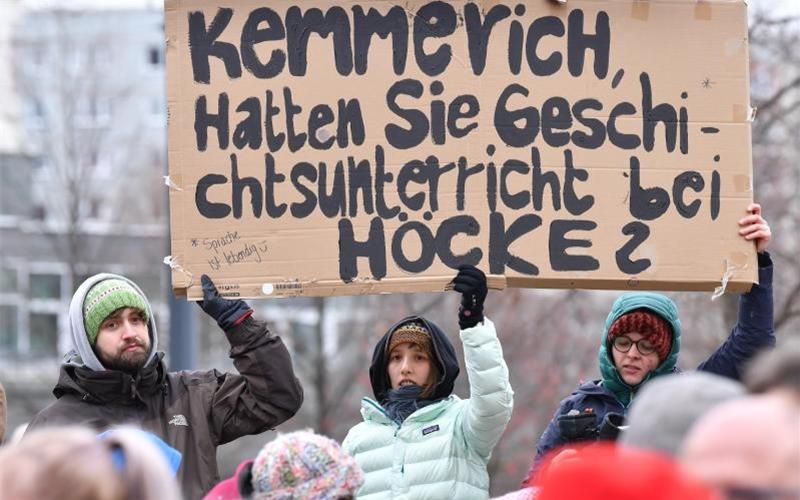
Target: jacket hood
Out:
[80,341]
[629,302]
[446,361]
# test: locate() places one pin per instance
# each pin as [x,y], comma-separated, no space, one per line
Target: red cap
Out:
[603,471]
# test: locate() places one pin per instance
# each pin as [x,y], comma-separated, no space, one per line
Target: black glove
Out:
[470,282]
[228,313]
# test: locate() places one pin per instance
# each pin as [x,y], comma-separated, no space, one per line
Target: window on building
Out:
[35,108]
[149,283]
[9,328]
[94,156]
[37,54]
[38,212]
[8,280]
[157,108]
[94,208]
[156,157]
[302,335]
[99,108]
[44,334]
[45,286]
[154,56]
[99,58]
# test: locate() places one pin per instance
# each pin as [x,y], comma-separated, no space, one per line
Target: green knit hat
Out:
[106,297]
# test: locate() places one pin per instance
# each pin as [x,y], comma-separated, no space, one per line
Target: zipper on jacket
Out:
[630,400]
[380,408]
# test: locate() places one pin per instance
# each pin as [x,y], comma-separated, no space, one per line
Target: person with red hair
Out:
[641,341]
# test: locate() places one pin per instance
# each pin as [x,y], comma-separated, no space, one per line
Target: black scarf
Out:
[405,400]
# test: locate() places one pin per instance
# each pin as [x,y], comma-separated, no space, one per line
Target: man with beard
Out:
[116,375]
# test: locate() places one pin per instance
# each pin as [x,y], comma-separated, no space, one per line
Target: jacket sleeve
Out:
[491,399]
[754,328]
[263,394]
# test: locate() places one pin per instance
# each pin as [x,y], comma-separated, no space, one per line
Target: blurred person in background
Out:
[777,371]
[418,440]
[605,471]
[73,463]
[665,410]
[115,375]
[296,466]
[130,434]
[641,341]
[748,448]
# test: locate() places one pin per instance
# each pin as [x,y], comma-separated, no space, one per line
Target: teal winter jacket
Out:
[441,450]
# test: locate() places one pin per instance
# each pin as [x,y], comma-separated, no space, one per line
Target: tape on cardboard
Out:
[175,266]
[702,11]
[740,113]
[640,10]
[726,276]
[169,183]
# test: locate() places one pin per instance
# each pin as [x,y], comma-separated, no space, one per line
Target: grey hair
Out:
[666,408]
[777,368]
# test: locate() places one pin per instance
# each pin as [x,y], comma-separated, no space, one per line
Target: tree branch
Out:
[778,95]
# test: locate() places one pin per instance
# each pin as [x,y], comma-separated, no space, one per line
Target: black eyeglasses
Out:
[623,344]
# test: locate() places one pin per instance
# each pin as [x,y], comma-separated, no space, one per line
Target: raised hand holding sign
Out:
[228,313]
[470,282]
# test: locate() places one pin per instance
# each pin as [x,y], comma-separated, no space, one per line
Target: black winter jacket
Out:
[193,411]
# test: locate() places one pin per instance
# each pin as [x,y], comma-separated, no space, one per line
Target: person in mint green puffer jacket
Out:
[418,440]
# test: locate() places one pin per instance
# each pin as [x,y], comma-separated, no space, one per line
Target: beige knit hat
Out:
[412,332]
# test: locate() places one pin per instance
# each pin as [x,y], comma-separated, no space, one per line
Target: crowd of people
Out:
[124,427]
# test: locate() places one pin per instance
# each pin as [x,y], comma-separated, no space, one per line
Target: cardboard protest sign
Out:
[319,147]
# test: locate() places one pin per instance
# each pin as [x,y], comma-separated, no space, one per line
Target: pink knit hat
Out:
[304,465]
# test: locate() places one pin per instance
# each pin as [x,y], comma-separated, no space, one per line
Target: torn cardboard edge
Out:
[324,288]
[438,284]
[171,184]
[730,269]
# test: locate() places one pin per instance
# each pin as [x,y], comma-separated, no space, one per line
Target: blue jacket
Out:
[753,332]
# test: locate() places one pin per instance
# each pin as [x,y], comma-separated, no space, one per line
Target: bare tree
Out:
[775,71]
[84,125]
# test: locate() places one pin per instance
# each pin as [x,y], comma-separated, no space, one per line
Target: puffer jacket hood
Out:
[82,353]
[446,361]
[629,302]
